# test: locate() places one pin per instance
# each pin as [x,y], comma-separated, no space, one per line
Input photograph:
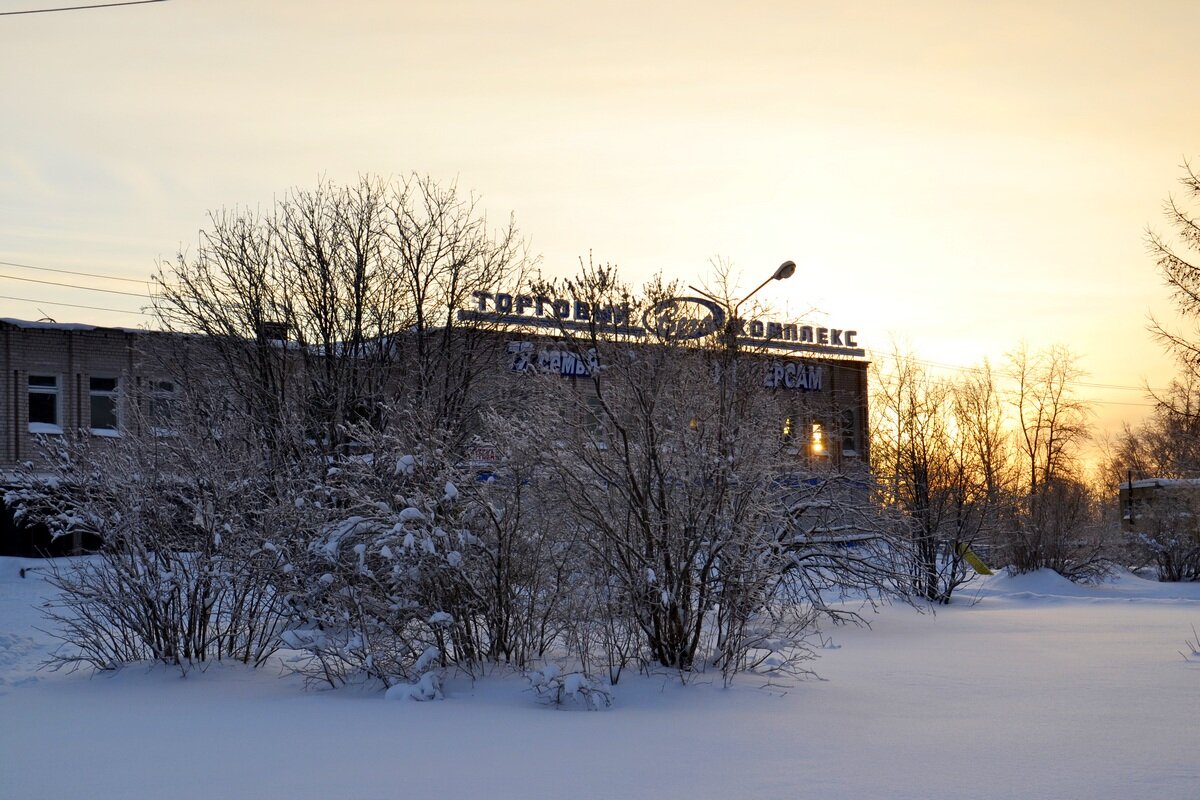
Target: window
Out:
[849,433]
[102,392]
[43,404]
[596,421]
[162,407]
[817,443]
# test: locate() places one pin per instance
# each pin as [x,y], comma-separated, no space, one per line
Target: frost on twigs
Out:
[389,576]
[554,687]
[184,573]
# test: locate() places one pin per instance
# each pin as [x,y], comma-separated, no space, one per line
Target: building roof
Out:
[25,324]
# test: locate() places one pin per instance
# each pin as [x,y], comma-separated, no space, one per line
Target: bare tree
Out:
[670,462]
[984,462]
[1164,446]
[1167,443]
[939,455]
[1058,527]
[1181,273]
[340,298]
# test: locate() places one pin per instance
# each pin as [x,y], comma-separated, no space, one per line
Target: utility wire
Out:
[73,272]
[76,286]
[79,8]
[75,305]
[1120,403]
[1010,374]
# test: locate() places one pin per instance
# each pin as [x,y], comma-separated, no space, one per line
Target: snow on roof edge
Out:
[1161,483]
[25,324]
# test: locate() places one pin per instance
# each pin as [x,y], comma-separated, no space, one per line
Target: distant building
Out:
[58,380]
[72,380]
[1152,504]
[1163,516]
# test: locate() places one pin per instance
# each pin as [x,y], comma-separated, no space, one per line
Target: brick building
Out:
[58,380]
[76,380]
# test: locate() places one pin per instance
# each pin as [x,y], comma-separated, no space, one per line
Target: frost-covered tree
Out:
[327,305]
[300,339]
[668,460]
[186,517]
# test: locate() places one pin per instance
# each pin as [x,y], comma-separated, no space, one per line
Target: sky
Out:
[952,178]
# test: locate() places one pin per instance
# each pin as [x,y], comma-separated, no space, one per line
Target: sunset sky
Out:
[951,176]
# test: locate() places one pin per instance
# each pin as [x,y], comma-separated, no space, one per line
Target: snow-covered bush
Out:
[531,580]
[427,687]
[183,573]
[640,521]
[1175,553]
[555,687]
[386,579]
[667,466]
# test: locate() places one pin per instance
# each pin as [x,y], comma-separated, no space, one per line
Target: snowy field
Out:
[1041,689]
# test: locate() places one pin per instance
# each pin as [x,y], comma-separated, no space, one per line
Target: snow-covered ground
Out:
[1041,689]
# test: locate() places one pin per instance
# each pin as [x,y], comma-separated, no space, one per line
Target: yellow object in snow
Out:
[975,561]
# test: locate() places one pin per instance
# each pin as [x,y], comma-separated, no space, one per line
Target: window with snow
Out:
[43,404]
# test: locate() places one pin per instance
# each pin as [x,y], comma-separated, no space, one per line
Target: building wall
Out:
[73,355]
[838,405]
[1152,502]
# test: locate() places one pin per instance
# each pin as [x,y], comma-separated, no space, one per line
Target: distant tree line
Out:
[986,466]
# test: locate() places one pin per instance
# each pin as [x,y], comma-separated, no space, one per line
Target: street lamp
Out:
[786,270]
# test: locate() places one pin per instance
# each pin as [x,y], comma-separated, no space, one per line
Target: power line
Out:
[1011,374]
[1121,403]
[73,272]
[75,305]
[75,286]
[79,8]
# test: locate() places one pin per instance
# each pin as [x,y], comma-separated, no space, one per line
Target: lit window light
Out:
[818,438]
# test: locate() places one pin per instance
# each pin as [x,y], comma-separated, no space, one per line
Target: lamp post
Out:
[727,374]
[784,271]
